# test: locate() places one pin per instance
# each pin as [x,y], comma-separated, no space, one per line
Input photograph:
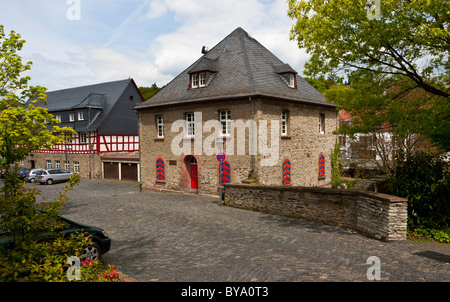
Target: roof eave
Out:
[221,98]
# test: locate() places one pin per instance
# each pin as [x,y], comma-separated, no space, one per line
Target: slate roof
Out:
[242,67]
[97,96]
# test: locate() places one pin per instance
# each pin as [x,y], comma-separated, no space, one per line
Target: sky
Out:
[81,42]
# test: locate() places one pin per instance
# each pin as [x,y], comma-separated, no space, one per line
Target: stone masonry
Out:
[376,215]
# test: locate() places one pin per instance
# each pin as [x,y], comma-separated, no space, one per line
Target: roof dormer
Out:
[287,74]
[202,73]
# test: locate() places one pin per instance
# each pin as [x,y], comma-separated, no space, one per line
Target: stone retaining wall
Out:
[373,214]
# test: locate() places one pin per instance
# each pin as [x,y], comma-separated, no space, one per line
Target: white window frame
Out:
[190,124]
[82,138]
[49,164]
[76,166]
[284,122]
[292,80]
[194,80]
[160,126]
[72,117]
[81,116]
[67,165]
[57,164]
[58,117]
[321,123]
[225,121]
[202,79]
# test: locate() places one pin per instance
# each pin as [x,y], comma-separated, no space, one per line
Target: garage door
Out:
[111,170]
[129,171]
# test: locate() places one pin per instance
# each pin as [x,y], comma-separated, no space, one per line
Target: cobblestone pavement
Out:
[160,236]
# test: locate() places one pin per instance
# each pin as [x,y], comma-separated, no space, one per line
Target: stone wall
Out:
[373,214]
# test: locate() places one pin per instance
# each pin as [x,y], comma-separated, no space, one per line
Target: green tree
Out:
[397,65]
[148,92]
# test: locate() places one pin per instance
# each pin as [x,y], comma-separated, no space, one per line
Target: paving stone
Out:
[160,236]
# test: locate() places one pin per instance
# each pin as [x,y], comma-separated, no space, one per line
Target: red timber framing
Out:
[92,143]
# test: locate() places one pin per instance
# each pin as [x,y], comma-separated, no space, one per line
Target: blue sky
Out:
[151,41]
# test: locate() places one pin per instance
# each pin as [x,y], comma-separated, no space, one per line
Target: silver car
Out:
[32,175]
[52,175]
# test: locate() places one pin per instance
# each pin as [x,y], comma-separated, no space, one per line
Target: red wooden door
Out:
[193,173]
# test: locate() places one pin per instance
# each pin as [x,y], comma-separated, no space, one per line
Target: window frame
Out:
[194,80]
[292,81]
[81,116]
[190,124]
[72,117]
[160,126]
[49,164]
[284,122]
[57,164]
[321,123]
[82,138]
[225,121]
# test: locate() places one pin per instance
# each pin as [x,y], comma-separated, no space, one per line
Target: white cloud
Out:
[149,40]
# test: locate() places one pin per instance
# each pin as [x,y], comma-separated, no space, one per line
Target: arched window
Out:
[224,173]
[321,166]
[160,173]
[286,172]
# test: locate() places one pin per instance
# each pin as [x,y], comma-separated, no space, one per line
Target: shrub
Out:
[424,179]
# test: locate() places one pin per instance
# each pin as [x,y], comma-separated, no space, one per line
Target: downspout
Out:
[250,173]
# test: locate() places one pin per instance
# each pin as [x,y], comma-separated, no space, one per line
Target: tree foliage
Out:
[396,66]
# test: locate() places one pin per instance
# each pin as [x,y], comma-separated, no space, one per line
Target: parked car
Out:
[23,173]
[101,243]
[31,177]
[52,175]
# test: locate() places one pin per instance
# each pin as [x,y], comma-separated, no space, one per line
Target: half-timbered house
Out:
[106,143]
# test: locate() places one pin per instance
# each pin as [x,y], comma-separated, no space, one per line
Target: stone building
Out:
[240,99]
[106,143]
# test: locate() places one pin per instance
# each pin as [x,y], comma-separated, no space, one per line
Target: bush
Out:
[424,179]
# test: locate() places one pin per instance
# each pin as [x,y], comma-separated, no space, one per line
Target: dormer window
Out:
[287,74]
[198,80]
[292,81]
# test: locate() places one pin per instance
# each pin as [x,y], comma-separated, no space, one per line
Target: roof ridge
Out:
[89,85]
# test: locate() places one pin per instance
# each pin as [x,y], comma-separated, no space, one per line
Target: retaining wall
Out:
[373,214]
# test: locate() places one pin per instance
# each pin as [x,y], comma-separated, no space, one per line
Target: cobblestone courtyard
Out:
[160,236]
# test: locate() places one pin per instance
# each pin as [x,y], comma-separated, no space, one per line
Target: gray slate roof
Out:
[98,96]
[243,67]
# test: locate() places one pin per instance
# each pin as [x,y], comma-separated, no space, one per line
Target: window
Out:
[284,122]
[82,138]
[224,173]
[76,166]
[22,162]
[49,164]
[58,118]
[321,166]
[81,116]
[225,122]
[160,125]
[131,98]
[194,80]
[160,170]
[72,117]
[198,80]
[190,124]
[57,164]
[202,77]
[67,165]
[321,123]
[286,172]
[292,80]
